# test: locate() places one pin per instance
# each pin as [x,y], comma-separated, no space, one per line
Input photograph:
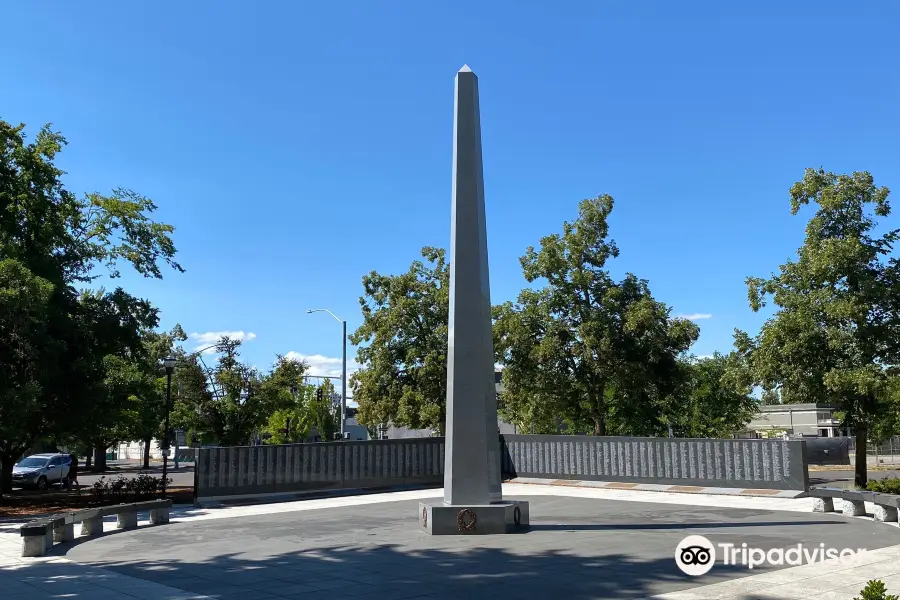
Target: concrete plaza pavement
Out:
[583,544]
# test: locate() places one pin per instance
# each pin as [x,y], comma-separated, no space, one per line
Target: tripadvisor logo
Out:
[695,555]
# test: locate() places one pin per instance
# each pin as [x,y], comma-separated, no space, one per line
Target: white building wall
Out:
[135,450]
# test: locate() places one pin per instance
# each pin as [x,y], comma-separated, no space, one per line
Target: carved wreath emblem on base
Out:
[466,520]
[425,516]
[517,516]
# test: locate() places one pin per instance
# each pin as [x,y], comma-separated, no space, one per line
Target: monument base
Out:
[506,516]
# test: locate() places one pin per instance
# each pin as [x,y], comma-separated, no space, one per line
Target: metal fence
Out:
[885,453]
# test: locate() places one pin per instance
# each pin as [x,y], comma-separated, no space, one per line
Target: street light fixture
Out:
[343,368]
[169,363]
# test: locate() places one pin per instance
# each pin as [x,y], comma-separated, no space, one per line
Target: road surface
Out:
[182,477]
[819,478]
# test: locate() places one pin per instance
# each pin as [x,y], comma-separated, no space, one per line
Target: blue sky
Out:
[298,145]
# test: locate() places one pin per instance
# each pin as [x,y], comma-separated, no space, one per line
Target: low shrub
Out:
[890,485]
[875,590]
[124,489]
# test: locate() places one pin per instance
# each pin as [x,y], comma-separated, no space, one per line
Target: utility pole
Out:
[169,363]
[343,415]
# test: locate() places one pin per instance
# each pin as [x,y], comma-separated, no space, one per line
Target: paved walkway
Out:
[655,487]
[275,551]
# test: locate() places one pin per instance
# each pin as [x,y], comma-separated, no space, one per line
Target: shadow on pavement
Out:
[380,572]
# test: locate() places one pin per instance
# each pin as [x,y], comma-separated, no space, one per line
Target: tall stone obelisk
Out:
[472,497]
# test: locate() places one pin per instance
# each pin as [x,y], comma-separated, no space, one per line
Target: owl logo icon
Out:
[695,555]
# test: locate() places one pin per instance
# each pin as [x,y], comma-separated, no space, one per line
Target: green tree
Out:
[27,361]
[403,346]
[290,398]
[886,423]
[232,401]
[63,241]
[193,396]
[523,340]
[716,401]
[310,416]
[321,412]
[835,332]
[109,406]
[64,238]
[770,397]
[604,354]
[287,425]
[150,396]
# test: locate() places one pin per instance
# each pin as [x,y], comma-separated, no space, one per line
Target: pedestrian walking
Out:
[73,471]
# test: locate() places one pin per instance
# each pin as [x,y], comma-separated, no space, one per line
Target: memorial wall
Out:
[758,464]
[263,470]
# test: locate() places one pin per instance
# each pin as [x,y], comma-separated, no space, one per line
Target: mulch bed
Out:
[20,505]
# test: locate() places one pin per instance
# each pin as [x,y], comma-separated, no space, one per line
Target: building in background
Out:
[353,429]
[775,420]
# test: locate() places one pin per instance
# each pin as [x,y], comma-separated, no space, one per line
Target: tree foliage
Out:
[310,414]
[65,238]
[149,422]
[28,358]
[602,355]
[403,344]
[717,399]
[52,241]
[580,347]
[114,326]
[834,336]
[133,396]
[231,402]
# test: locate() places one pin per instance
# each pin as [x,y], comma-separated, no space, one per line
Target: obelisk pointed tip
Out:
[465,69]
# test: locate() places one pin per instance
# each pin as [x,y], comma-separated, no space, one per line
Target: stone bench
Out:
[886,505]
[39,535]
[854,500]
[823,498]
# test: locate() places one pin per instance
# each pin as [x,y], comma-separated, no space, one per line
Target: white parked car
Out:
[41,470]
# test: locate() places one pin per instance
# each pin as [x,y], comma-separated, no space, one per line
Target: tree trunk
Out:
[99,458]
[8,460]
[599,426]
[862,471]
[147,442]
[89,460]
[6,468]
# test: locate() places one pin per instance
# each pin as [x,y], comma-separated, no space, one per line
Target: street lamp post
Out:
[175,458]
[169,364]
[343,367]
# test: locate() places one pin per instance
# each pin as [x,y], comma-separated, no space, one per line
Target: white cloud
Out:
[210,338]
[695,316]
[323,365]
